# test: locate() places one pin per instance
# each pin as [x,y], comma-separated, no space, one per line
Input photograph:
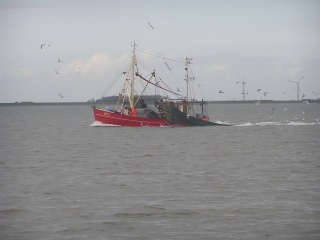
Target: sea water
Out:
[62,177]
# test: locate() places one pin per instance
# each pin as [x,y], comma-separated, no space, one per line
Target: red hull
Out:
[118,119]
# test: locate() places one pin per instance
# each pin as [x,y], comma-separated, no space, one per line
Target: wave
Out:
[10,210]
[161,214]
[248,124]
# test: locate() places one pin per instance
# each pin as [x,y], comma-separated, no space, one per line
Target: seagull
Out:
[150,25]
[265,93]
[59,60]
[178,90]
[57,72]
[124,73]
[61,95]
[259,90]
[221,92]
[303,96]
[43,45]
[237,82]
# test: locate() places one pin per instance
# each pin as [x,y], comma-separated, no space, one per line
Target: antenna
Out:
[298,87]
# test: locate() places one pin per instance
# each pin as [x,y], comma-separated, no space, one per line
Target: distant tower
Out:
[298,87]
[243,90]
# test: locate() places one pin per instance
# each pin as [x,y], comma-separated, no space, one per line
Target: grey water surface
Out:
[62,176]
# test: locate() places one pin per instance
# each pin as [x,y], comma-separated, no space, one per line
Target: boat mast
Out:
[187,75]
[187,80]
[132,75]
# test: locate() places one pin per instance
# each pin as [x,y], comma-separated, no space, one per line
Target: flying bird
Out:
[303,96]
[265,93]
[178,90]
[42,45]
[237,82]
[59,60]
[284,93]
[259,90]
[221,92]
[150,25]
[315,93]
[61,95]
[57,72]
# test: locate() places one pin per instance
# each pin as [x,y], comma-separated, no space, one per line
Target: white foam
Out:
[244,124]
[301,123]
[287,123]
[220,122]
[100,124]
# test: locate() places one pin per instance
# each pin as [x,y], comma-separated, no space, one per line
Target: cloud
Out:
[223,70]
[25,72]
[294,66]
[216,68]
[235,66]
[96,66]
[86,78]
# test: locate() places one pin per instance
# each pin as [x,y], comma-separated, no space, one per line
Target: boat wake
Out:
[248,124]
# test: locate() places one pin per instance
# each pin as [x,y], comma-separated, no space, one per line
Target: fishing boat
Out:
[132,110]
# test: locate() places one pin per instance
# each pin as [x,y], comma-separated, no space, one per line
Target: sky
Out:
[264,43]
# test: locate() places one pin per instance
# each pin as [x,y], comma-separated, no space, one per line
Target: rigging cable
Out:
[154,54]
[115,79]
[167,58]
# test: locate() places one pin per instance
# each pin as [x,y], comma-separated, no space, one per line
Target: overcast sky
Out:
[266,43]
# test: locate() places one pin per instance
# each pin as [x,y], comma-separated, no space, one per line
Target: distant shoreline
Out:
[112,102]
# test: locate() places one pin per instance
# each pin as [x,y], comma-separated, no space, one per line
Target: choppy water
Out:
[63,178]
